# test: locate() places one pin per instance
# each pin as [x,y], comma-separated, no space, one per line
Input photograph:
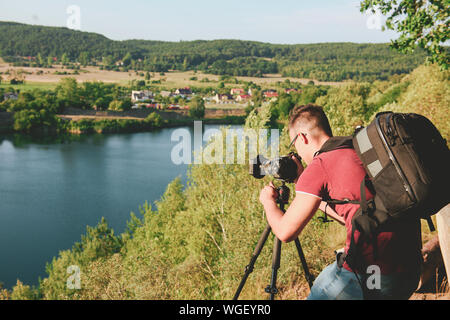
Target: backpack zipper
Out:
[389,131]
[413,156]
[394,161]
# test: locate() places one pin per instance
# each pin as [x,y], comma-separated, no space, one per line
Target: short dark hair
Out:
[311,112]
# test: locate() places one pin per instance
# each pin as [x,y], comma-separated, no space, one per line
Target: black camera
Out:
[282,168]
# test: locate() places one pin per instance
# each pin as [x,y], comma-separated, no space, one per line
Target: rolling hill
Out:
[321,61]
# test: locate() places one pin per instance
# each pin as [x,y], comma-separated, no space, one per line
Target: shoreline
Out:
[187,122]
[104,124]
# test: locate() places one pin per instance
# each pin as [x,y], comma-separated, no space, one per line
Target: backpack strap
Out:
[430,224]
[363,220]
[335,143]
[365,205]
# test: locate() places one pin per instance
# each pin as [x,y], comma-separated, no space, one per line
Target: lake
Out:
[50,192]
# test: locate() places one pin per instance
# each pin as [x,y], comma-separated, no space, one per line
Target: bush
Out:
[29,121]
[24,292]
[154,120]
[98,243]
[197,108]
[120,105]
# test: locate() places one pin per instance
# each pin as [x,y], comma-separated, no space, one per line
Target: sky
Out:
[282,21]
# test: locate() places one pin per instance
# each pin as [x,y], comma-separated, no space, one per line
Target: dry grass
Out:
[95,117]
[171,79]
[86,74]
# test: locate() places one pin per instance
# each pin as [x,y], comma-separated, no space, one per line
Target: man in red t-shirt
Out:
[393,273]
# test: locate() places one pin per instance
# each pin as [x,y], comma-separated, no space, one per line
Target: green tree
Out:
[64,59]
[31,120]
[120,105]
[154,120]
[420,23]
[68,93]
[102,103]
[127,59]
[284,105]
[84,58]
[185,64]
[346,107]
[197,107]
[108,60]
[40,59]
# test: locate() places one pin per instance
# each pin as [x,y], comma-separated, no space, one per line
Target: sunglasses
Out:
[295,139]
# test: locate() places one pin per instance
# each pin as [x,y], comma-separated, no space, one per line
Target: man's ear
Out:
[304,138]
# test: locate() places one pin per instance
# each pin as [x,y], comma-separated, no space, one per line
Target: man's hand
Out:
[268,195]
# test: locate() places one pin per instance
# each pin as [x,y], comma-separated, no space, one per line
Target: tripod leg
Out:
[249,267]
[309,277]
[276,254]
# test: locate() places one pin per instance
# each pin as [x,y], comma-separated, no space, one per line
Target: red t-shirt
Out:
[337,175]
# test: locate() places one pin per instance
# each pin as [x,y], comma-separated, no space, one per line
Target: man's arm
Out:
[288,226]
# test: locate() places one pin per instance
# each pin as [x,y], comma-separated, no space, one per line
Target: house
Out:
[10,96]
[141,95]
[243,98]
[223,98]
[173,107]
[270,94]
[165,94]
[237,91]
[209,99]
[290,90]
[183,92]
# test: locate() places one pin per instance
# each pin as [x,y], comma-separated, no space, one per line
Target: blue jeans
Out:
[335,283]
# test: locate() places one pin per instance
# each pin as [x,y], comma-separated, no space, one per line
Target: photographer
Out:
[337,174]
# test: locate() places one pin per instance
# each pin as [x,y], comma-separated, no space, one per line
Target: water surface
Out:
[50,192]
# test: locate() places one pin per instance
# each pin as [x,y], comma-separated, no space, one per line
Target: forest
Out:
[21,45]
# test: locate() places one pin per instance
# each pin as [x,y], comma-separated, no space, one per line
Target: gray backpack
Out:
[407,165]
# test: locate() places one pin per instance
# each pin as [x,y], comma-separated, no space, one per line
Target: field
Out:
[48,77]
[30,86]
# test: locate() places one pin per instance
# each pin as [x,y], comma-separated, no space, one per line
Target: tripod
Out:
[271,289]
